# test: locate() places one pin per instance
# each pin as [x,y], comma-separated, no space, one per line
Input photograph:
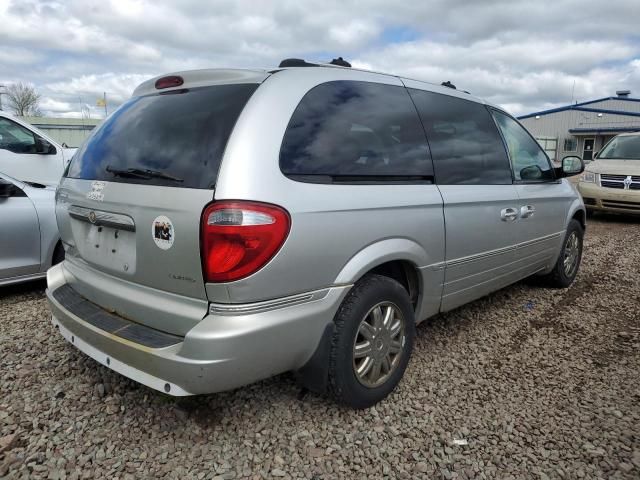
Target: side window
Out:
[465,144]
[356,129]
[570,144]
[529,161]
[16,138]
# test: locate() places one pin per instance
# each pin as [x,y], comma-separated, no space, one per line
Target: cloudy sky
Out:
[524,55]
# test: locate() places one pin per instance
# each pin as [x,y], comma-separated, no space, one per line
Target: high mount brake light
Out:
[168,82]
[238,238]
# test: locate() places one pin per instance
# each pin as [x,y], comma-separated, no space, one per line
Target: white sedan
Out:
[29,154]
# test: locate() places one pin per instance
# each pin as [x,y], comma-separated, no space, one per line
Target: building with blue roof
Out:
[583,128]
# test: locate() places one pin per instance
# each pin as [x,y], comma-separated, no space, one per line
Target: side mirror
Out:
[532,172]
[7,189]
[572,165]
[43,147]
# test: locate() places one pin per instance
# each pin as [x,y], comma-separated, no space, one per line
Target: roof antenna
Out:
[572,90]
[448,84]
[341,62]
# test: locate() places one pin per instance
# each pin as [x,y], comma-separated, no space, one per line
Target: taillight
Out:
[168,82]
[238,238]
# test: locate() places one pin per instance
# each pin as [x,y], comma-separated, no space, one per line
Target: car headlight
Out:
[588,177]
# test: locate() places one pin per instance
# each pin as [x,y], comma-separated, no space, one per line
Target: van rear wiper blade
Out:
[142,173]
[129,172]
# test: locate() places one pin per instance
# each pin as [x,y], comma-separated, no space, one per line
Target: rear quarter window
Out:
[465,144]
[355,130]
[180,134]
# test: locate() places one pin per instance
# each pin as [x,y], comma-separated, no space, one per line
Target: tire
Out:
[58,255]
[561,277]
[369,301]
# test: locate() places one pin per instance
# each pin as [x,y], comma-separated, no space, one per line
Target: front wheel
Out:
[566,268]
[372,342]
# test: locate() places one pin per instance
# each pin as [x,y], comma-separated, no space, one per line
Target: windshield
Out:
[174,138]
[622,148]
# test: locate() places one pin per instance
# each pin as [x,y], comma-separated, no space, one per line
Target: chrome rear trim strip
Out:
[102,218]
[250,308]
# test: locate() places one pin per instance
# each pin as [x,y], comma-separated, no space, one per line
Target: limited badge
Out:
[163,232]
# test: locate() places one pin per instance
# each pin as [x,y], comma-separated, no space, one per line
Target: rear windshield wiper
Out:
[142,173]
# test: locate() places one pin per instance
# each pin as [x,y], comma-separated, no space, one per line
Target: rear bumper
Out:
[597,198]
[222,352]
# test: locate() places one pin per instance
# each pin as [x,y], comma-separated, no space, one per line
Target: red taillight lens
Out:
[238,238]
[170,81]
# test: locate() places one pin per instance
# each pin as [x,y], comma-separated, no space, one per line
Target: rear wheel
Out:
[372,342]
[566,268]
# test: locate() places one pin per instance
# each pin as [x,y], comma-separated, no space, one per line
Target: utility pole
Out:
[572,90]
[102,102]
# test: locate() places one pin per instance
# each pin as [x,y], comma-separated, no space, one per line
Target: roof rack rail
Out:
[340,62]
[301,62]
[296,62]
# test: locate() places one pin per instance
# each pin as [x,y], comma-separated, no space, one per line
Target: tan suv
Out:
[612,182]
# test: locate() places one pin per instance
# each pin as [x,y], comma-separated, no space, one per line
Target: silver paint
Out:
[454,237]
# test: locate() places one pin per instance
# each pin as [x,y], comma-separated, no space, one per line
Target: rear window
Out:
[173,138]
[355,130]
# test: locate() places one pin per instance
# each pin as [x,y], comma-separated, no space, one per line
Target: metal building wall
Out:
[73,138]
[70,131]
[558,125]
[629,105]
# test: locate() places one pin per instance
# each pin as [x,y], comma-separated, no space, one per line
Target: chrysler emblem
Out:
[92,217]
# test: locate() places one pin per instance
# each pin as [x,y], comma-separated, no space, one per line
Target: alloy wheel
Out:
[378,345]
[571,254]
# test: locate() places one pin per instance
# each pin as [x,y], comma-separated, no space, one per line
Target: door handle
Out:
[527,211]
[508,214]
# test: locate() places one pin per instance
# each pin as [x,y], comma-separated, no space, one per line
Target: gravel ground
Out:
[526,383]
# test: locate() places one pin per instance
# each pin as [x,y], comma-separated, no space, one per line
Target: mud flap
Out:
[314,374]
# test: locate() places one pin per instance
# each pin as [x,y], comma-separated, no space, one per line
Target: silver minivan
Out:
[224,226]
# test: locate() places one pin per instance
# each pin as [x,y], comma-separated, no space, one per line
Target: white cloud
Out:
[118,86]
[18,56]
[49,105]
[522,76]
[523,55]
[354,32]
